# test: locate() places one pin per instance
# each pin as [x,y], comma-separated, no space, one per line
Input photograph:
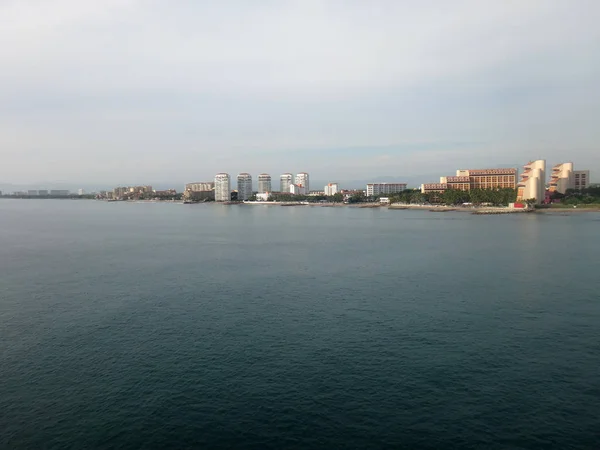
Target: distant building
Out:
[244,186]
[59,192]
[331,189]
[80,192]
[303,182]
[384,188]
[581,179]
[43,192]
[533,182]
[165,193]
[297,190]
[264,183]
[263,196]
[222,187]
[316,193]
[32,193]
[200,186]
[468,179]
[285,181]
[561,178]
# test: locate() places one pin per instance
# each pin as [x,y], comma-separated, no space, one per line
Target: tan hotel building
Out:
[465,180]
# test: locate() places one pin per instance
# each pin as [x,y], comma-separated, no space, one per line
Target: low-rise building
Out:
[468,179]
[200,186]
[374,189]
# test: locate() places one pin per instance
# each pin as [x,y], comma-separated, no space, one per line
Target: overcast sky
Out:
[127,91]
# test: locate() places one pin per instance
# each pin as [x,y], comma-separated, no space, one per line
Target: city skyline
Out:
[400,86]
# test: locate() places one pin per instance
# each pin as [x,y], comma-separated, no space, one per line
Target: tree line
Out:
[496,197]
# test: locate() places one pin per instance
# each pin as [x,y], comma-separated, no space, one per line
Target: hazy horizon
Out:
[127,92]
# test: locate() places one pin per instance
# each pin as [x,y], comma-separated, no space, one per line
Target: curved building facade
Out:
[561,178]
[244,186]
[222,187]
[264,183]
[533,182]
[285,181]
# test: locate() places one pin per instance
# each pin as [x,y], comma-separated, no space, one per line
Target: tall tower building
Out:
[264,183]
[244,186]
[302,181]
[561,178]
[222,187]
[285,181]
[533,181]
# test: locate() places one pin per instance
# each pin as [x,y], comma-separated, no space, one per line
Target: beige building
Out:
[467,179]
[581,179]
[200,186]
[561,178]
[533,181]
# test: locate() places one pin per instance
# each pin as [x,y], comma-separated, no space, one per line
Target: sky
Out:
[159,92]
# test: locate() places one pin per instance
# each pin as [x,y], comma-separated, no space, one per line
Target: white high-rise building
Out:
[533,182]
[80,192]
[222,187]
[264,183]
[244,186]
[302,181]
[285,181]
[331,189]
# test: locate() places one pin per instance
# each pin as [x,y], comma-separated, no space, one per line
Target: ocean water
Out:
[151,325]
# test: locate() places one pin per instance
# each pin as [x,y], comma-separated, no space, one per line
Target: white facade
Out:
[561,178]
[263,196]
[244,186]
[200,186]
[222,187]
[285,181]
[80,192]
[331,189]
[303,181]
[533,182]
[297,190]
[581,179]
[264,183]
[384,188]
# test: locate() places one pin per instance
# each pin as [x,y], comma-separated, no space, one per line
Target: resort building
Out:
[285,181]
[467,179]
[244,186]
[533,182]
[297,190]
[561,178]
[264,183]
[222,187]
[200,186]
[302,181]
[384,188]
[581,179]
[331,189]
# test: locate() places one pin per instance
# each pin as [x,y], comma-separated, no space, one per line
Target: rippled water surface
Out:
[127,325]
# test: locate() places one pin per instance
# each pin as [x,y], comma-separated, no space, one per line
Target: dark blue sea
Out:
[154,325]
